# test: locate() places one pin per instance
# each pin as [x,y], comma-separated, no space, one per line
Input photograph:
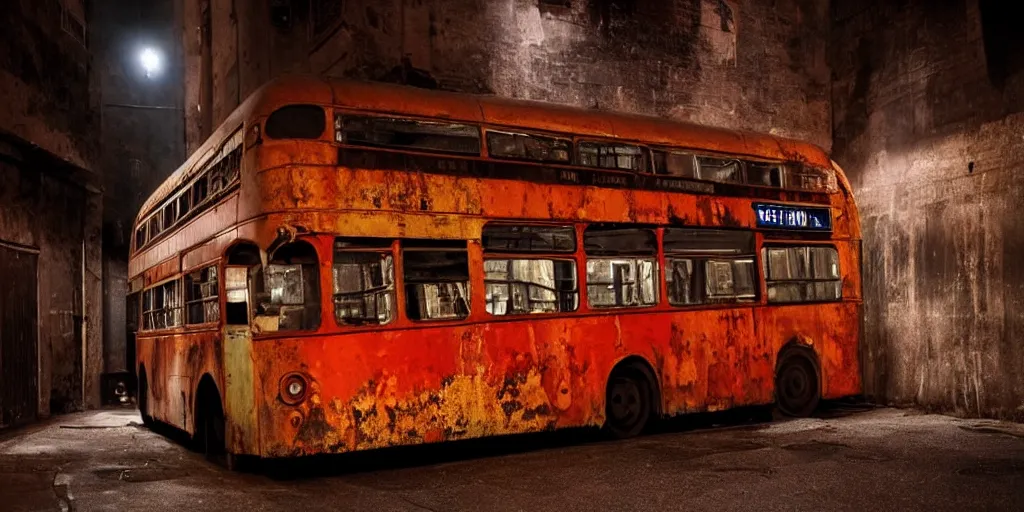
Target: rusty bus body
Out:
[370,386]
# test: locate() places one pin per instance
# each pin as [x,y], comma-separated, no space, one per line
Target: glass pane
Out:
[412,134]
[708,241]
[670,163]
[528,147]
[530,286]
[825,263]
[764,174]
[610,241]
[296,122]
[437,284]
[503,238]
[682,282]
[743,279]
[611,156]
[363,287]
[719,169]
[284,284]
[719,279]
[809,178]
[621,282]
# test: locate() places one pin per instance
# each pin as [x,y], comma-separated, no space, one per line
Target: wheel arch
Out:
[641,363]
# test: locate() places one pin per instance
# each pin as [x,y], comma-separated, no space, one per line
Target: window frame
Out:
[187,284]
[406,246]
[635,259]
[514,132]
[701,257]
[645,154]
[340,133]
[164,309]
[799,245]
[389,250]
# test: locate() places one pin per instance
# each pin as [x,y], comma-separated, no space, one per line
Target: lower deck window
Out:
[201,301]
[622,282]
[161,307]
[525,286]
[364,288]
[436,283]
[802,274]
[290,296]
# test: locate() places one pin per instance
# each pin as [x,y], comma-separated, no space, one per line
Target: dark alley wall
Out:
[927,103]
[756,65]
[49,190]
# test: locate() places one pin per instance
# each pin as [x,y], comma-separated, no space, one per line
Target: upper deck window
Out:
[409,134]
[521,146]
[609,155]
[505,238]
[726,170]
[675,163]
[296,122]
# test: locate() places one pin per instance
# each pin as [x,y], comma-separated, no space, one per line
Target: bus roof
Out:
[491,110]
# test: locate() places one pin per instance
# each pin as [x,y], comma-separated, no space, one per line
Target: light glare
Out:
[150,61]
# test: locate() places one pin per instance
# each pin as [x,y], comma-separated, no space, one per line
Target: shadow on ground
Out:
[439,453]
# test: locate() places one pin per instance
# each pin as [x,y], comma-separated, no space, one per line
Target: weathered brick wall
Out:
[752,65]
[48,154]
[928,125]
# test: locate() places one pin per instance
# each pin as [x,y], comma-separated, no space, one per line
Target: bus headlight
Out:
[293,388]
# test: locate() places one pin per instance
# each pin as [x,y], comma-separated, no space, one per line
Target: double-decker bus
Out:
[346,266]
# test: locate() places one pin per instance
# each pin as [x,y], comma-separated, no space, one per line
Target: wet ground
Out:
[881,459]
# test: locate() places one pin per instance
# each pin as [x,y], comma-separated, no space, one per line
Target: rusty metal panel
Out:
[19,340]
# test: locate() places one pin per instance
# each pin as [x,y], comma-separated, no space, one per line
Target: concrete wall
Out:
[928,125]
[755,65]
[48,188]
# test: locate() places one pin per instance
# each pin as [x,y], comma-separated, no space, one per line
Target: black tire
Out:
[629,402]
[147,418]
[797,387]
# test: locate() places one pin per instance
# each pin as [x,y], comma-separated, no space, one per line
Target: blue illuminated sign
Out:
[793,217]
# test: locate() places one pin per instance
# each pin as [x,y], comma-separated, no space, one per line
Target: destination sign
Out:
[793,217]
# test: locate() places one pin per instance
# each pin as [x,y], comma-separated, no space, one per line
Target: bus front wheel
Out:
[797,388]
[629,403]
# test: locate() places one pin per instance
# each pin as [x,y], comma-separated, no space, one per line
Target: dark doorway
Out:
[19,395]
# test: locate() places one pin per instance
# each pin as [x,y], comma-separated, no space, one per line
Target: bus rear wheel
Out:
[629,403]
[797,390]
[210,438]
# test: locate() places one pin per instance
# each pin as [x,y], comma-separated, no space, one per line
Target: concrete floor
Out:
[882,459]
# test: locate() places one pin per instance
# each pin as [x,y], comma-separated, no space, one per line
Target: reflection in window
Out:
[521,146]
[161,307]
[290,295]
[506,238]
[612,156]
[709,266]
[364,287]
[201,301]
[673,163]
[802,274]
[764,174]
[622,282]
[408,133]
[720,169]
[516,286]
[436,283]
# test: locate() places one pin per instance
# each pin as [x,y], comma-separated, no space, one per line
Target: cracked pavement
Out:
[877,459]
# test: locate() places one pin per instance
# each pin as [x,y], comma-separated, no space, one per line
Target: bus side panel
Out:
[239,392]
[831,329]
[385,388]
[175,364]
